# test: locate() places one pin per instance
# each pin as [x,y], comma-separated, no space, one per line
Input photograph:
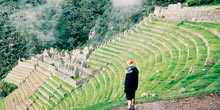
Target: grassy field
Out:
[170,55]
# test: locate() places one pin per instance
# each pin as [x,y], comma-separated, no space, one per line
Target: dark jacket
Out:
[131,80]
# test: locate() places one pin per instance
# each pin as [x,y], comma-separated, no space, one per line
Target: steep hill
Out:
[170,55]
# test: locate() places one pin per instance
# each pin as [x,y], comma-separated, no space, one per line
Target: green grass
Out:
[55,99]
[209,4]
[77,79]
[49,87]
[45,91]
[62,90]
[63,83]
[53,83]
[31,98]
[169,55]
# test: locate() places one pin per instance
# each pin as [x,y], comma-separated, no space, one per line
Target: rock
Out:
[154,94]
[182,90]
[145,95]
[210,62]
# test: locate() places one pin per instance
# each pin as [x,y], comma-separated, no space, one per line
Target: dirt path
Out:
[205,102]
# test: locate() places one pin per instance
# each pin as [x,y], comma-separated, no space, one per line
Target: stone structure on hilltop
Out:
[71,63]
[66,65]
[179,12]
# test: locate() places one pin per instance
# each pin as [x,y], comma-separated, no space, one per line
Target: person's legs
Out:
[133,101]
[129,104]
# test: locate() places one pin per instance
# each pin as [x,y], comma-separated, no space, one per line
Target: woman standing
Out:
[131,84]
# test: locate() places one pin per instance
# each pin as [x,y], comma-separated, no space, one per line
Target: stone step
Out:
[149,43]
[130,49]
[13,81]
[20,100]
[19,108]
[102,86]
[45,101]
[127,53]
[62,94]
[48,89]
[152,38]
[38,79]
[174,36]
[31,85]
[22,69]
[28,87]
[26,64]
[213,30]
[56,102]
[99,54]
[21,92]
[94,57]
[8,107]
[24,97]
[41,75]
[95,62]
[32,107]
[107,61]
[35,107]
[34,81]
[110,57]
[201,37]
[182,34]
[26,92]
[43,70]
[164,37]
[11,76]
[57,96]
[44,93]
[170,34]
[126,49]
[51,85]
[14,100]
[10,103]
[57,83]
[19,74]
[41,105]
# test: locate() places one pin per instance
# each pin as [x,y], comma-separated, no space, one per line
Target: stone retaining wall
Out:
[178,12]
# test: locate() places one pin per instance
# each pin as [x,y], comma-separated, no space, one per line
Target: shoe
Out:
[132,107]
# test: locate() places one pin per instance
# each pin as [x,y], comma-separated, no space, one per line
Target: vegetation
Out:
[203,2]
[105,91]
[6,88]
[25,31]
[169,54]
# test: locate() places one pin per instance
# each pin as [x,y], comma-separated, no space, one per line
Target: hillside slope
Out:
[170,55]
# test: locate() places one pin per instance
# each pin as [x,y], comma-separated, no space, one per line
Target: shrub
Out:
[192,3]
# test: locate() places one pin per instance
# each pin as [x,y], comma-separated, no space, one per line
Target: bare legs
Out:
[131,103]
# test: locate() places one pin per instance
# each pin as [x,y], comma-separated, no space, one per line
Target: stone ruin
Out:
[184,13]
[65,64]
